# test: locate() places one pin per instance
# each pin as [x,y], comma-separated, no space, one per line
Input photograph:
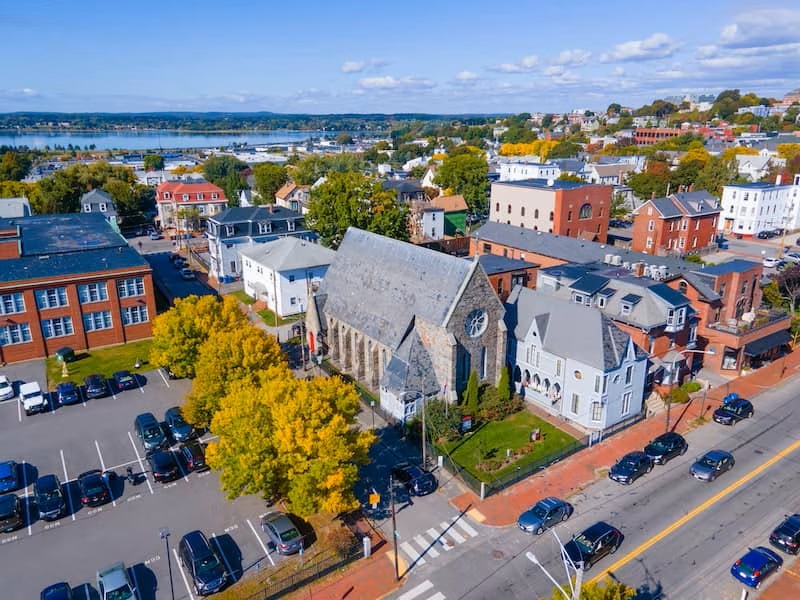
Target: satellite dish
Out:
[550,183]
[749,317]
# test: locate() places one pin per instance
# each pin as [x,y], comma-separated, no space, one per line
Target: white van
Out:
[32,398]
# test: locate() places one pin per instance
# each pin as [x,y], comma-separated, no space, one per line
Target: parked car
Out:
[202,563]
[114,583]
[6,388]
[755,566]
[94,488]
[33,400]
[163,466]
[179,263]
[49,497]
[771,262]
[666,447]
[155,235]
[786,536]
[57,591]
[177,427]
[630,467]
[193,455]
[96,386]
[416,480]
[149,432]
[792,256]
[734,411]
[282,532]
[765,234]
[123,380]
[67,393]
[187,274]
[544,514]
[9,476]
[712,464]
[778,231]
[11,516]
[592,544]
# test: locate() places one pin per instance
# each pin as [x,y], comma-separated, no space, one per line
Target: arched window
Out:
[526,378]
[537,382]
[585,211]
[536,213]
[509,209]
[683,287]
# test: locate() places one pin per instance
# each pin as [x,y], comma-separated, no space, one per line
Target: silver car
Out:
[114,583]
[282,532]
[712,464]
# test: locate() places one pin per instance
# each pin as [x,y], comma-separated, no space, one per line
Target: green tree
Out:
[504,385]
[217,168]
[789,285]
[470,399]
[269,179]
[354,200]
[442,421]
[344,139]
[153,162]
[468,175]
[569,177]
[717,173]
[772,295]
[14,166]
[518,134]
[653,181]
[619,208]
[417,172]
[565,149]
[607,589]
[290,438]
[179,332]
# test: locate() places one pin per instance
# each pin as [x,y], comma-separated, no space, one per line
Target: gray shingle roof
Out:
[665,207]
[380,285]
[289,253]
[494,263]
[697,203]
[589,284]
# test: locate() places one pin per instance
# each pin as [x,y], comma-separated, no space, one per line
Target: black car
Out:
[765,235]
[416,480]
[193,455]
[786,536]
[96,386]
[586,548]
[630,467]
[123,380]
[94,488]
[666,447]
[49,497]
[67,393]
[10,513]
[202,563]
[734,411]
[163,466]
[177,427]
[57,591]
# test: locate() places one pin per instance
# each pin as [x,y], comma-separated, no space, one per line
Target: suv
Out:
[67,393]
[9,476]
[10,513]
[49,497]
[114,583]
[179,430]
[149,432]
[666,447]
[416,480]
[32,398]
[202,563]
[592,544]
[786,536]
[96,386]
[282,532]
[734,411]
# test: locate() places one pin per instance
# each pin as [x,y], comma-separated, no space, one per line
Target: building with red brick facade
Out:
[679,224]
[69,280]
[570,208]
[173,196]
[645,136]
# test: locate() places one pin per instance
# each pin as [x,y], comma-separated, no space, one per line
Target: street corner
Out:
[787,585]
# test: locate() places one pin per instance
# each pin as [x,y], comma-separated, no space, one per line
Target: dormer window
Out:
[214,195]
[290,225]
[166,195]
[186,196]
[87,208]
[229,230]
[103,207]
[199,196]
[264,227]
[625,308]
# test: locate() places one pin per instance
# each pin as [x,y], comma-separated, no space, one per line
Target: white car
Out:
[771,262]
[187,273]
[792,256]
[6,388]
[114,583]
[32,398]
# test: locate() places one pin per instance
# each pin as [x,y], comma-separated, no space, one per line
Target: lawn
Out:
[103,360]
[494,439]
[242,297]
[269,318]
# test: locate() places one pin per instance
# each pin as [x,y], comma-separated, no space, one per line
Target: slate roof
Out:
[737,265]
[589,284]
[94,198]
[289,254]
[665,207]
[380,285]
[494,263]
[601,343]
[697,203]
[411,368]
[67,244]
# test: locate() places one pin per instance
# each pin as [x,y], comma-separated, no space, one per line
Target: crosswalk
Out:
[430,544]
[416,592]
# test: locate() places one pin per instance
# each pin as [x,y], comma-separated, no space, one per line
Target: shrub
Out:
[493,407]
[678,396]
[691,386]
[442,421]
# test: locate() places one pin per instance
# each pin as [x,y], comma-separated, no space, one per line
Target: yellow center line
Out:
[696,511]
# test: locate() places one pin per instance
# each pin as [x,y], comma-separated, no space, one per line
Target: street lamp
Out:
[164,533]
[568,563]
[673,370]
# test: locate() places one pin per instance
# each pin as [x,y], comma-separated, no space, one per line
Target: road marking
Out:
[141,464]
[183,575]
[416,558]
[476,515]
[437,596]
[66,480]
[414,592]
[401,564]
[160,372]
[461,522]
[260,542]
[696,511]
[224,558]
[426,546]
[27,503]
[103,467]
[437,537]
[449,530]
[792,573]
[19,408]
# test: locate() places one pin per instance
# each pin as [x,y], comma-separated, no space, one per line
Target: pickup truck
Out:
[33,400]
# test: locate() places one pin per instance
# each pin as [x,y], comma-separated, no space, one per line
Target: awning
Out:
[768,342]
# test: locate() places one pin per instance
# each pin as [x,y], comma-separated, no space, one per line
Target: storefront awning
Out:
[768,342]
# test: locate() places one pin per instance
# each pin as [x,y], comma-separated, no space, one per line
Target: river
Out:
[154,140]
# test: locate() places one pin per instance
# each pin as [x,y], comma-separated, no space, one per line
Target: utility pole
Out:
[424,432]
[394,530]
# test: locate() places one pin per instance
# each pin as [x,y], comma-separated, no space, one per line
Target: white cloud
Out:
[768,27]
[554,71]
[618,71]
[19,94]
[466,76]
[572,58]
[387,82]
[527,64]
[658,45]
[358,66]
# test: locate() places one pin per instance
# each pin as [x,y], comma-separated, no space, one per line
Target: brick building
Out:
[570,208]
[69,280]
[173,196]
[679,224]
[645,136]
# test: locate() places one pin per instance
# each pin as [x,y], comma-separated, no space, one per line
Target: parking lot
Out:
[99,434]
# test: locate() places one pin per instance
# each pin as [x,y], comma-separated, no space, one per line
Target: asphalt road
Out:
[99,434]
[681,535]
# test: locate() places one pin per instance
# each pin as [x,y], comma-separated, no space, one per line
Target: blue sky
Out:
[436,56]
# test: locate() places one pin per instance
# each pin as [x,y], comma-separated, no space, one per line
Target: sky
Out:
[433,56]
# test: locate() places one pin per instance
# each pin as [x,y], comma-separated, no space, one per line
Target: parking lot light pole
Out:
[164,533]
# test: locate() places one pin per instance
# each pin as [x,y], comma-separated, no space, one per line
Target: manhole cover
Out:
[498,554]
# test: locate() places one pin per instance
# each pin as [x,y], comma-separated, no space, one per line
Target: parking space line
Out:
[180,468]
[103,467]
[19,407]
[141,389]
[27,504]
[260,542]
[183,575]
[66,480]
[141,463]
[224,558]
[160,372]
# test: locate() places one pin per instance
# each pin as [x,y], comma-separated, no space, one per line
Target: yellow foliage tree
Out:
[730,153]
[540,148]
[788,151]
[290,438]
[696,153]
[179,170]
[607,589]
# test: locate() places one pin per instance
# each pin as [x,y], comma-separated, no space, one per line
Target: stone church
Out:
[406,322]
